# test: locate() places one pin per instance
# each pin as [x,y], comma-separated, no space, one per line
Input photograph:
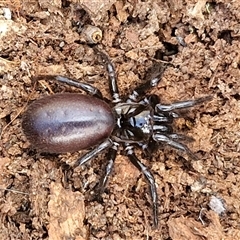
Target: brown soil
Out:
[42,199]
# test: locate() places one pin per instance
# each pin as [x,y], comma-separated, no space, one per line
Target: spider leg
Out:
[168,130]
[111,75]
[150,178]
[93,153]
[149,147]
[84,86]
[143,88]
[111,159]
[113,82]
[169,140]
[179,105]
[181,137]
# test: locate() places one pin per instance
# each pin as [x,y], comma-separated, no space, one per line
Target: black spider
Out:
[70,122]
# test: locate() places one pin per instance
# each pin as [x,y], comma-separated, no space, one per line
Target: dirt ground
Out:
[41,198]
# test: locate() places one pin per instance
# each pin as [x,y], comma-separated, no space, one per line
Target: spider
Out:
[69,122]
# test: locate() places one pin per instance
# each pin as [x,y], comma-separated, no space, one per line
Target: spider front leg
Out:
[150,178]
[180,105]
